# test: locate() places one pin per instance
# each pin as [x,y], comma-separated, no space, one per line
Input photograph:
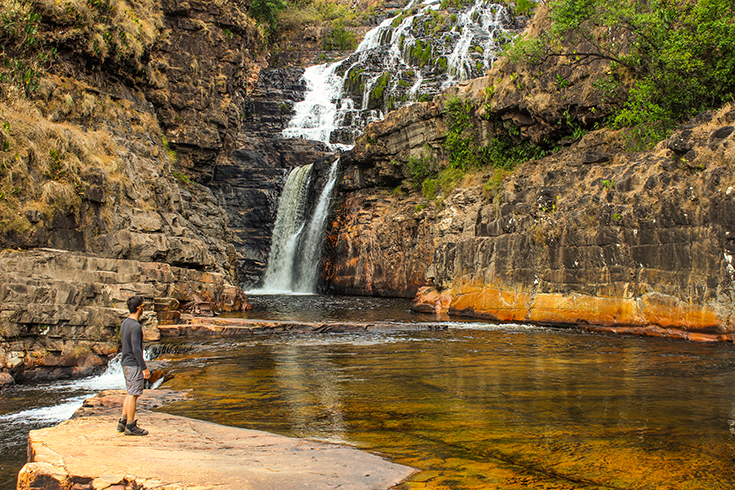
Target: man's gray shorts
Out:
[134,380]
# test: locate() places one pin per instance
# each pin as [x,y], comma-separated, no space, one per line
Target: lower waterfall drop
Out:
[298,235]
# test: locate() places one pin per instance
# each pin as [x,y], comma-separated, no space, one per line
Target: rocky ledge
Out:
[228,327]
[86,453]
[60,310]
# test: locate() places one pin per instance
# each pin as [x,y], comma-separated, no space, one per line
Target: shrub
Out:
[420,169]
[265,11]
[340,38]
[680,60]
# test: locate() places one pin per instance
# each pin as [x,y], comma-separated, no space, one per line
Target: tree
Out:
[679,54]
[266,11]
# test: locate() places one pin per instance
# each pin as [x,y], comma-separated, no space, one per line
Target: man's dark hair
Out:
[134,303]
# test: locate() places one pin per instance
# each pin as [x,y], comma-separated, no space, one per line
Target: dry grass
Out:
[324,12]
[42,163]
[121,29]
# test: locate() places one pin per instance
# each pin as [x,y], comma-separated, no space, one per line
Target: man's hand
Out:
[146,374]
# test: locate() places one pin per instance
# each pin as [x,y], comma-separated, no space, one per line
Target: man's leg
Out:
[129,407]
[132,429]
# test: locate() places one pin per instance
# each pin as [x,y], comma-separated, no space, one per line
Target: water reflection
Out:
[312,392]
[505,407]
[317,308]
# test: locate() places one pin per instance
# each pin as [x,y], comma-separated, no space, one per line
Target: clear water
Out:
[472,406]
[485,406]
[34,406]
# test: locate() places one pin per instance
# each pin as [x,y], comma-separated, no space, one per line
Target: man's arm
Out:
[137,344]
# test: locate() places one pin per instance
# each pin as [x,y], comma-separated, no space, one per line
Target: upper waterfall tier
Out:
[410,57]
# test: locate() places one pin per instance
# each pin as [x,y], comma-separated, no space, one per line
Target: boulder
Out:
[6,380]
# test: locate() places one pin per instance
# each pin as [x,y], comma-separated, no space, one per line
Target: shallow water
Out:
[475,406]
[500,407]
[33,406]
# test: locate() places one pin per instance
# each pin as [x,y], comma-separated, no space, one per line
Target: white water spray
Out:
[292,207]
[293,264]
[312,249]
[397,63]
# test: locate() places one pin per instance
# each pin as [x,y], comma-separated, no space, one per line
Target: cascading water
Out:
[312,249]
[292,207]
[407,58]
[410,57]
[293,264]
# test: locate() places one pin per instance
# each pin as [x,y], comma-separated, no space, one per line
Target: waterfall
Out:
[312,249]
[298,235]
[315,117]
[288,227]
[407,58]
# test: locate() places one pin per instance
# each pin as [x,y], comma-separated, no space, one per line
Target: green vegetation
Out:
[503,152]
[421,52]
[183,178]
[340,38]
[377,92]
[265,11]
[24,57]
[166,146]
[420,169]
[678,58]
[525,7]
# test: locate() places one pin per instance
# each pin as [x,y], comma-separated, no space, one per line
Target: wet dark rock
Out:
[680,142]
[6,380]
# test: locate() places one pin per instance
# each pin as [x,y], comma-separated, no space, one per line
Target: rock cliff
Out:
[593,234]
[104,158]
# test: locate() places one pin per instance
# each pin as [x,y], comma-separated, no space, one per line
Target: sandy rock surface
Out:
[86,452]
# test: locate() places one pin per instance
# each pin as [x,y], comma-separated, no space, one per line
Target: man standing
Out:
[134,367]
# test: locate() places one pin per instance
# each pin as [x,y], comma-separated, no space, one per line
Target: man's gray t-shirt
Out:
[131,334]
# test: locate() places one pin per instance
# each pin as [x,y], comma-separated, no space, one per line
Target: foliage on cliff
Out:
[678,58]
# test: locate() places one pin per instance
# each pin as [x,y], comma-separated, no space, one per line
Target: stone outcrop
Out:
[635,240]
[230,327]
[86,453]
[61,311]
[592,235]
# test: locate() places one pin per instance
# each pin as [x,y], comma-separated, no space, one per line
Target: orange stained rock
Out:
[668,311]
[651,315]
[491,303]
[570,309]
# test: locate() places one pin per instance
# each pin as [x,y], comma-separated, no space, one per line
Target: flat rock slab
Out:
[202,326]
[86,452]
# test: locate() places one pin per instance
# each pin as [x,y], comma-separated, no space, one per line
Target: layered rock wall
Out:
[61,311]
[101,162]
[592,235]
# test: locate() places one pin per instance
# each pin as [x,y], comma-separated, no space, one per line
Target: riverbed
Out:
[471,405]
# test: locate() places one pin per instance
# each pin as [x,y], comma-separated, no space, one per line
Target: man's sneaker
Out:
[121,425]
[132,429]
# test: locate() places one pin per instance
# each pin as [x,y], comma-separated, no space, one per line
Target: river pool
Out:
[472,406]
